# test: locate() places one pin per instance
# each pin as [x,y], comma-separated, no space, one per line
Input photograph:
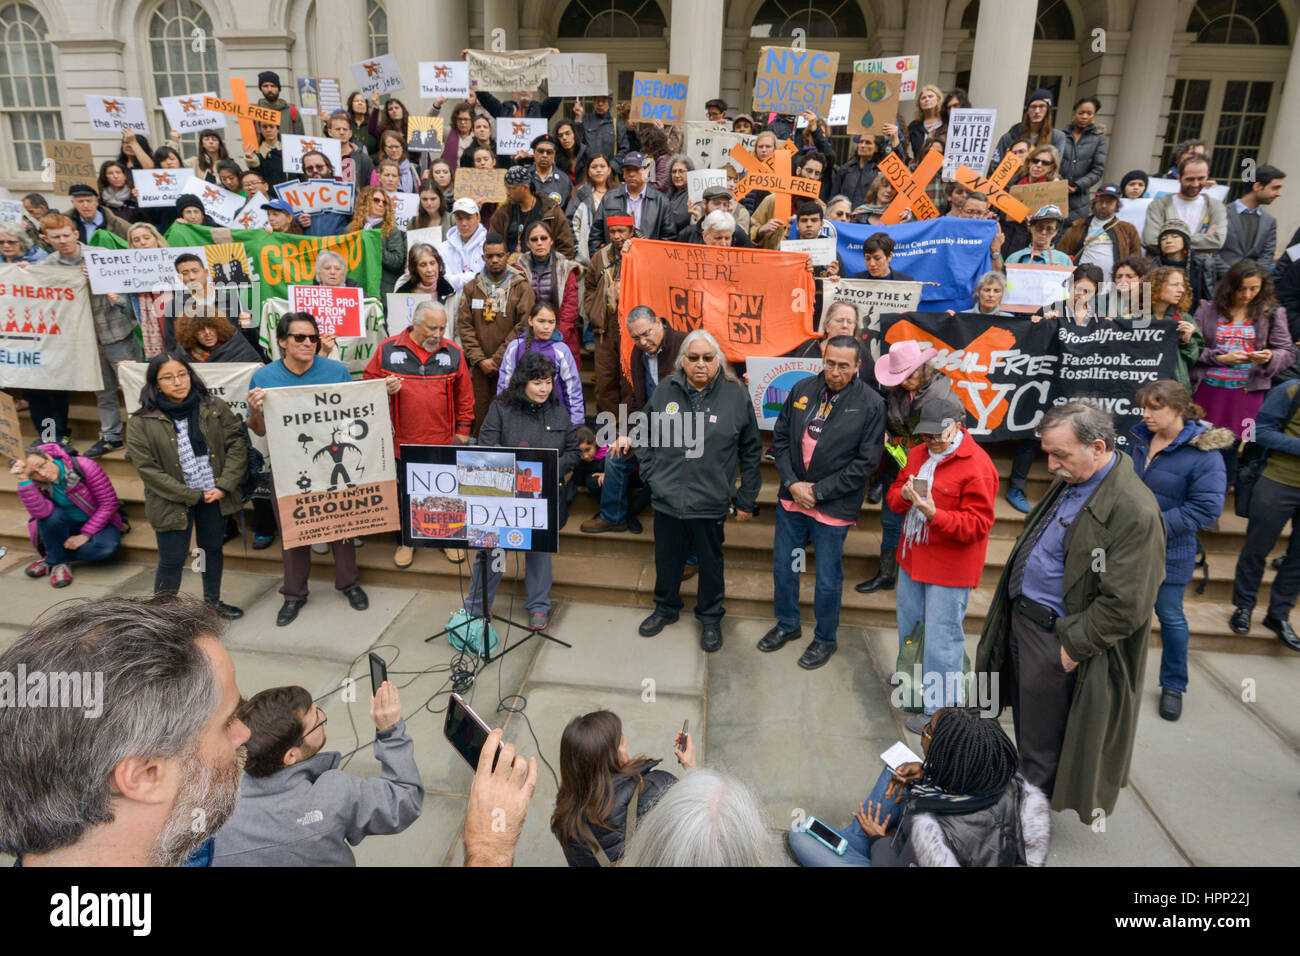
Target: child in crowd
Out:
[541,336]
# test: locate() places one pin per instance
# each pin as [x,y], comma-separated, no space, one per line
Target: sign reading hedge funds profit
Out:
[335,476]
[791,81]
[337,309]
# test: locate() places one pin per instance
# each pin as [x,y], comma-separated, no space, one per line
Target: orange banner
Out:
[753,301]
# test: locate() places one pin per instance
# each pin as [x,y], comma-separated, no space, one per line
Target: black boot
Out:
[885,578]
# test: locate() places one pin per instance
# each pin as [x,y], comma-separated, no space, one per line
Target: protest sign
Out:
[73,163]
[659,96]
[821,250]
[873,299]
[400,310]
[791,81]
[905,66]
[244,111]
[970,138]
[873,103]
[748,298]
[134,270]
[159,187]
[454,496]
[770,381]
[253,215]
[517,135]
[378,75]
[186,114]
[424,133]
[1134,212]
[11,212]
[227,381]
[431,236]
[698,180]
[576,74]
[337,309]
[308,96]
[331,94]
[1030,287]
[47,334]
[228,263]
[1158,186]
[724,145]
[354,352]
[480,185]
[11,432]
[838,115]
[947,254]
[220,204]
[1037,195]
[910,185]
[114,113]
[774,176]
[697,141]
[332,454]
[293,148]
[405,207]
[444,79]
[510,71]
[317,195]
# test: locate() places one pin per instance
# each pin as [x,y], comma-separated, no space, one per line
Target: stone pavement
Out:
[1218,787]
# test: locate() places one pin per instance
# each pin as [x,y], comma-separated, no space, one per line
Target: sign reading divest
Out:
[337,309]
[73,163]
[577,74]
[791,81]
[332,456]
[47,335]
[770,381]
[698,180]
[659,96]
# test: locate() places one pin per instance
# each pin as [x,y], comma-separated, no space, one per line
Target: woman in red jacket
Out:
[948,489]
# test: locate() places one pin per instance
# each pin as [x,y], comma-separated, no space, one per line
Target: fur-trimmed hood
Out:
[931,848]
[1213,438]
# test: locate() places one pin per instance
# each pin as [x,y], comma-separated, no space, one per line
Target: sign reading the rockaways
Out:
[47,335]
[226,380]
[791,81]
[444,79]
[659,96]
[332,456]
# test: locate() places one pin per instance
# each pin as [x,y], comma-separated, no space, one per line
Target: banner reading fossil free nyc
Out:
[332,458]
[47,334]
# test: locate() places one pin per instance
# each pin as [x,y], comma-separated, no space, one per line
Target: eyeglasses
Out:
[178,377]
[1041,162]
[300,338]
[314,169]
[544,151]
[700,359]
[323,720]
[642,336]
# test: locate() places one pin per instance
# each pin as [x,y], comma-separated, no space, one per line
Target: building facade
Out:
[1165,70]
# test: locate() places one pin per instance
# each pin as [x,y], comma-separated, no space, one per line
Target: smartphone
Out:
[467,732]
[378,672]
[825,835]
[921,486]
[682,737]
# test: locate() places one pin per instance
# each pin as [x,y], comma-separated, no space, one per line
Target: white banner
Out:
[401,309]
[1029,286]
[135,270]
[577,74]
[1158,186]
[515,135]
[317,195]
[838,115]
[295,146]
[697,141]
[226,380]
[509,71]
[698,180]
[770,381]
[114,113]
[160,187]
[905,65]
[444,79]
[47,334]
[1133,212]
[378,75]
[253,216]
[873,298]
[431,236]
[970,139]
[405,207]
[821,249]
[187,115]
[221,204]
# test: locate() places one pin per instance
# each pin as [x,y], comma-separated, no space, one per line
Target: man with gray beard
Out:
[158,772]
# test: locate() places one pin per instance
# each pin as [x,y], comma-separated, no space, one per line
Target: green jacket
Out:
[1114,564]
[151,439]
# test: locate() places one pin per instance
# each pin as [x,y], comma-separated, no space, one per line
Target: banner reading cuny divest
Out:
[753,301]
[47,334]
[332,457]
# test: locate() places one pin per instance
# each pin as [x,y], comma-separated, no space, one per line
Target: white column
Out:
[923,35]
[503,15]
[1142,87]
[422,30]
[341,38]
[695,48]
[1285,146]
[1004,37]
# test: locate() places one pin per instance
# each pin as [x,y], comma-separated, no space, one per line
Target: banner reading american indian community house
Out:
[47,333]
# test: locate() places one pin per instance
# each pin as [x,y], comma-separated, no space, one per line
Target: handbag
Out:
[908,667]
[1252,465]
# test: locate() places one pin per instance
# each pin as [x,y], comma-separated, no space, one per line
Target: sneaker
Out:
[37,569]
[403,556]
[262,541]
[320,547]
[538,620]
[1016,499]
[454,555]
[103,447]
[60,576]
[917,722]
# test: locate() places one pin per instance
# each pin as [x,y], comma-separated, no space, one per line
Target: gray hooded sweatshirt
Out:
[309,813]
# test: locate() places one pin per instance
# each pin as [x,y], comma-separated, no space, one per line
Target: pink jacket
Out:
[95,496]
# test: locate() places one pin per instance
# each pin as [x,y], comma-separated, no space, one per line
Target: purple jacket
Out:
[567,384]
[1270,329]
[95,496]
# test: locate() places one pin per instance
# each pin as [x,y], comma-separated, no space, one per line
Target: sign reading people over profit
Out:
[333,451]
[134,270]
[47,334]
[659,96]
[873,104]
[453,496]
[509,71]
[480,185]
[186,114]
[791,81]
[378,75]
[577,74]
[753,301]
[443,79]
[337,310]
[73,163]
[770,381]
[227,381]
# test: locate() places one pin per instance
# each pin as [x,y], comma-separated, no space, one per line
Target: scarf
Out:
[373,222]
[115,197]
[187,408]
[916,529]
[497,294]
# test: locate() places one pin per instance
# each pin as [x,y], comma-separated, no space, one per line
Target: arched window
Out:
[612,18]
[1254,22]
[29,93]
[182,52]
[1052,22]
[377,27]
[817,18]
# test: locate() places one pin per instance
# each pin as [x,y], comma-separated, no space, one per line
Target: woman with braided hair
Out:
[966,805]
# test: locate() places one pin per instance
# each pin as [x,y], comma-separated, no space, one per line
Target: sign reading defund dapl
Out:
[332,457]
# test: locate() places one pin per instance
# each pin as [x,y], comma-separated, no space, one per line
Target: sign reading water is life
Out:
[792,81]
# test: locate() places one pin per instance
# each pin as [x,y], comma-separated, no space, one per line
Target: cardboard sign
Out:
[114,113]
[293,148]
[401,309]
[73,163]
[659,96]
[873,103]
[770,381]
[1029,287]
[838,116]
[11,212]
[480,185]
[791,81]
[432,236]
[577,74]
[517,135]
[378,75]
[444,79]
[135,270]
[406,206]
[970,140]
[244,111]
[308,96]
[186,114]
[11,432]
[820,250]
[508,71]
[337,310]
[317,195]
[331,94]
[698,180]
[905,66]
[160,187]
[424,134]
[1037,195]
[221,205]
[47,333]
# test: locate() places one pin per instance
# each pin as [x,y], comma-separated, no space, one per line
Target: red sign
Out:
[337,310]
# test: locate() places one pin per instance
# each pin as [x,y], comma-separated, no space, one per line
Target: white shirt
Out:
[464,260]
[634,204]
[1191,212]
[1097,247]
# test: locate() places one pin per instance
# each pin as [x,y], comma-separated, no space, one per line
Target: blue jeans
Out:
[613,493]
[58,527]
[891,526]
[812,852]
[942,610]
[1173,636]
[793,530]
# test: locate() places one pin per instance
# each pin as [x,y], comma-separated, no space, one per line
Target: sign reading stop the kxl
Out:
[337,310]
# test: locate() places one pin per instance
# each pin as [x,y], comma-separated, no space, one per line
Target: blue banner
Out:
[948,251]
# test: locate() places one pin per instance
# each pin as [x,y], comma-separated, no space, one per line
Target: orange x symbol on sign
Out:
[163,179]
[773,175]
[441,72]
[519,128]
[189,106]
[995,187]
[911,185]
[210,193]
[969,364]
[246,220]
[372,69]
[309,144]
[112,106]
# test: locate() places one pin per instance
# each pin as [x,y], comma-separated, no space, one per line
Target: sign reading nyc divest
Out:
[791,81]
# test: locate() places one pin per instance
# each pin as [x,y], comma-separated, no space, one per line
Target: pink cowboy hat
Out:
[902,359]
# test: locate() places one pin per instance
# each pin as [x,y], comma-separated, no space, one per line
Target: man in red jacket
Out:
[431,395]
[947,489]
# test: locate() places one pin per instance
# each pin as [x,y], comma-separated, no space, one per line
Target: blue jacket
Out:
[1188,480]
